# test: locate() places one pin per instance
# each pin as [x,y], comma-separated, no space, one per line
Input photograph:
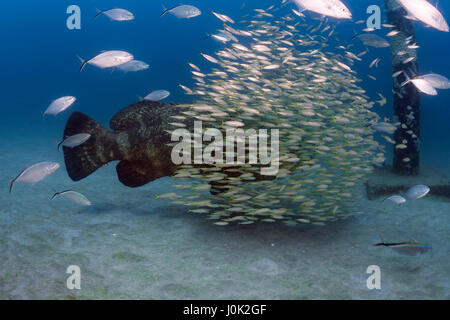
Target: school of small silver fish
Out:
[281,74]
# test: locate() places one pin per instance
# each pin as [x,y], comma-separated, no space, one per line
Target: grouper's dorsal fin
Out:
[142,114]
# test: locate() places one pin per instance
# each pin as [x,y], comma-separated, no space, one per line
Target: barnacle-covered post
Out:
[406,98]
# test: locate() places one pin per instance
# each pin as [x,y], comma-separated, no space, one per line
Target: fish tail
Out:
[11,184]
[411,71]
[59,144]
[165,11]
[56,193]
[83,62]
[408,80]
[101,148]
[99,12]
[356,34]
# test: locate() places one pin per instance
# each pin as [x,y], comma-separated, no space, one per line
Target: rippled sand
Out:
[130,245]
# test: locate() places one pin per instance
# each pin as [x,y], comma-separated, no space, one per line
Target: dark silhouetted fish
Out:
[407,248]
[138,140]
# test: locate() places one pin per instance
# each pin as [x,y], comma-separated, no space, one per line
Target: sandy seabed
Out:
[130,245]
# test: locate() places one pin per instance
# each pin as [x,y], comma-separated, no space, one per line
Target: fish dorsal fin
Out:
[143,114]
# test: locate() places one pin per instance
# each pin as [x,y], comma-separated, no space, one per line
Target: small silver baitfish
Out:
[372,40]
[222,17]
[384,127]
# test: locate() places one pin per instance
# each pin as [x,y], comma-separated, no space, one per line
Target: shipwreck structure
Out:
[406,98]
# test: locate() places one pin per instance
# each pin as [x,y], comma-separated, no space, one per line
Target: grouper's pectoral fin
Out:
[135,174]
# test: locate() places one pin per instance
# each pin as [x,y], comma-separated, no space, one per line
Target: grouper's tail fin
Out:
[84,159]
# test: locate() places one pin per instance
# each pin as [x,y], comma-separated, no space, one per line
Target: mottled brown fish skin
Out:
[144,143]
[139,140]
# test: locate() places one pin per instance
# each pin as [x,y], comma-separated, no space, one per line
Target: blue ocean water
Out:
[40,64]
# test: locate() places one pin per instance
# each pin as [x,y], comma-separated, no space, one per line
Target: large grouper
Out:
[139,140]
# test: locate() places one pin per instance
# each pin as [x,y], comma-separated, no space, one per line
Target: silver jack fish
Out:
[74,141]
[133,66]
[417,192]
[73,196]
[108,59]
[116,14]
[331,8]
[157,95]
[436,80]
[183,11]
[59,105]
[35,173]
[424,11]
